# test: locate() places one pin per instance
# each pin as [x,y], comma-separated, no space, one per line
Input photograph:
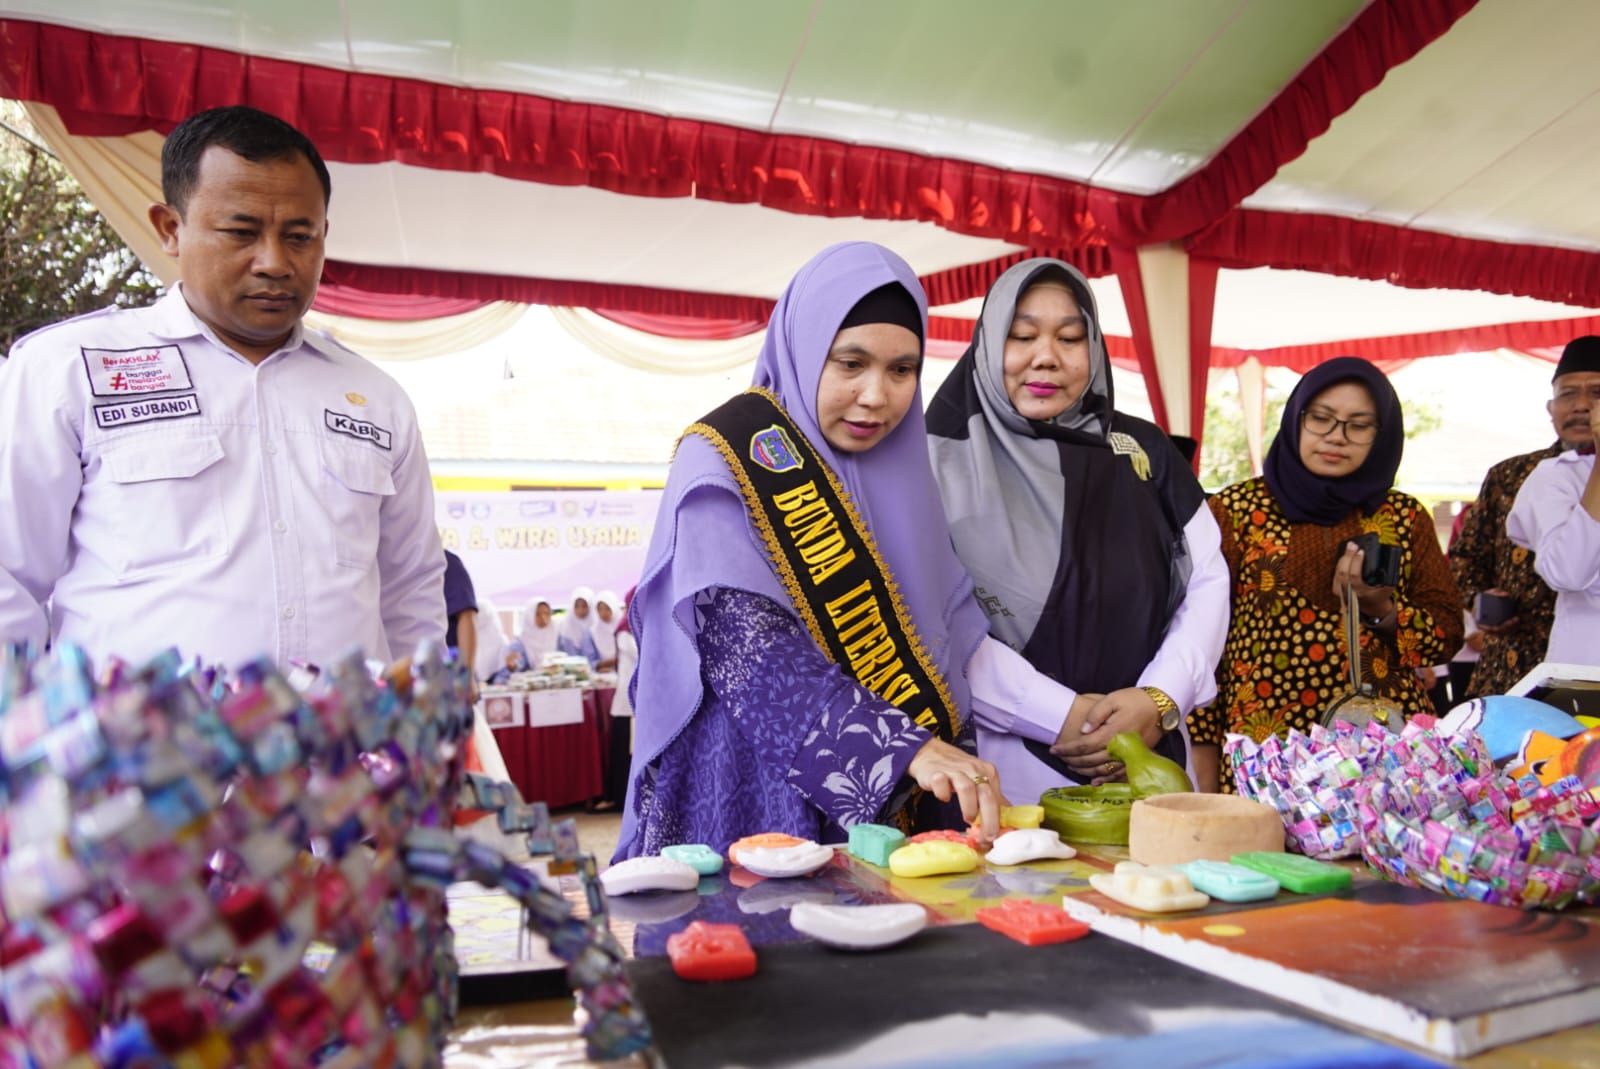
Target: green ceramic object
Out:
[1148,772]
[1095,815]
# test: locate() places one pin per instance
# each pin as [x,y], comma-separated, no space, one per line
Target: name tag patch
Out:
[121,372]
[126,413]
[357,428]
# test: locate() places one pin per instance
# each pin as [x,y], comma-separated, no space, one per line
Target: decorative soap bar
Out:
[1032,923]
[765,839]
[778,862]
[1230,883]
[934,858]
[648,874]
[1302,875]
[873,843]
[1021,816]
[1028,844]
[705,951]
[942,835]
[698,856]
[1153,889]
[859,927]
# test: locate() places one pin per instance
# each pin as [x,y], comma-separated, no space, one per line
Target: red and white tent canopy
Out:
[1211,161]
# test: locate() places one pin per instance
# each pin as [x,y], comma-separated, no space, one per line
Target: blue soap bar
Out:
[698,856]
[873,843]
[1229,883]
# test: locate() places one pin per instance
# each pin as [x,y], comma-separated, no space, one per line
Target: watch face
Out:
[1171,719]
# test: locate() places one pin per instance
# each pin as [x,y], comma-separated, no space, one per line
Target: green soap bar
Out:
[1093,815]
[698,856]
[1229,883]
[1296,872]
[873,843]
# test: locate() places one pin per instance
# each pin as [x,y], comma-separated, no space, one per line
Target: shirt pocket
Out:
[175,510]
[357,479]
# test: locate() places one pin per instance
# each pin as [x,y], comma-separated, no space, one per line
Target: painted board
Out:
[1446,974]
[962,995]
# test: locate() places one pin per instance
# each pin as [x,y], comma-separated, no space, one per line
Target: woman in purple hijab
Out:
[745,723]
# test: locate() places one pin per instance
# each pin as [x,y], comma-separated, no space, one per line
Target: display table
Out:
[978,997]
[553,740]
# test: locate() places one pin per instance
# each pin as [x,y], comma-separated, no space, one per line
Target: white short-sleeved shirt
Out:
[1548,518]
[162,490]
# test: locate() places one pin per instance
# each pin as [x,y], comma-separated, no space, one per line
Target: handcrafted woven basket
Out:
[1434,812]
[1311,781]
[171,849]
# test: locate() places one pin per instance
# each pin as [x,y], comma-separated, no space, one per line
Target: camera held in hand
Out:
[1380,563]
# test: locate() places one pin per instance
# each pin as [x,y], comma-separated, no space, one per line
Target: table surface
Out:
[542,1033]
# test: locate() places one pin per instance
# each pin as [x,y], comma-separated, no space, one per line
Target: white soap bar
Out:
[1028,844]
[1151,888]
[781,861]
[648,874]
[859,927]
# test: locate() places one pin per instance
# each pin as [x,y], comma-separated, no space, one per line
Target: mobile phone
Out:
[1380,563]
[1494,609]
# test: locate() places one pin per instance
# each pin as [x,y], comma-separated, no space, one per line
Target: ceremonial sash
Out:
[827,559]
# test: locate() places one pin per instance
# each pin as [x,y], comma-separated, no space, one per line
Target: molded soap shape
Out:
[1148,772]
[1230,883]
[698,856]
[873,843]
[1296,872]
[859,927]
[1151,888]
[935,858]
[1028,844]
[781,862]
[1032,923]
[1096,814]
[760,842]
[648,874]
[707,952]
[1021,817]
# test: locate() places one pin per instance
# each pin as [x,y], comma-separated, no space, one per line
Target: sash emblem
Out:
[773,450]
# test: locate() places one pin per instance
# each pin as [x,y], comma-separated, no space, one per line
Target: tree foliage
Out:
[58,255]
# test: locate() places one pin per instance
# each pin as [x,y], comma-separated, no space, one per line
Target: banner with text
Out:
[522,544]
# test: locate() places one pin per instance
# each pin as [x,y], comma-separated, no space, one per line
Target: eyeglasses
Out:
[1322,425]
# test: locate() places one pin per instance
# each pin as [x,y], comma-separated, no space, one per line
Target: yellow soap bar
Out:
[1021,816]
[935,858]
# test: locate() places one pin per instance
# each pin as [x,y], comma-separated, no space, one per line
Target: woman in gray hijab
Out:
[1084,530]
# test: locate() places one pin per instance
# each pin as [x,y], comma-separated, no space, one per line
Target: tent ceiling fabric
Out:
[1432,126]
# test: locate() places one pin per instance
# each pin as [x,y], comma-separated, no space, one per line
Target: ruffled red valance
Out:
[338,300]
[104,85]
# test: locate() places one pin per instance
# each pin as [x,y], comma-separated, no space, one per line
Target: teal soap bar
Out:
[698,856]
[1229,883]
[1296,872]
[873,843]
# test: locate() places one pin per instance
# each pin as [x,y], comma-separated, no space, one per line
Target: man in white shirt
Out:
[206,473]
[1557,514]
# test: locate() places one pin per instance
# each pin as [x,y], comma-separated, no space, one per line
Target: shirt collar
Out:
[174,320]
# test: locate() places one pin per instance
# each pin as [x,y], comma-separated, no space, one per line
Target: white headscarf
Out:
[536,640]
[573,627]
[491,640]
[604,632]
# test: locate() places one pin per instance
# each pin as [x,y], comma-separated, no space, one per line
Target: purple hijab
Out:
[892,486]
[1308,498]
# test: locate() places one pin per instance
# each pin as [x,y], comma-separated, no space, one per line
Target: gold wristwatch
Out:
[1171,715]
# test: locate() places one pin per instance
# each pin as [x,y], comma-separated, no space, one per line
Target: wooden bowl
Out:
[1171,829]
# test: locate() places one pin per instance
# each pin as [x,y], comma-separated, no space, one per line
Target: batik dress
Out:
[1284,662]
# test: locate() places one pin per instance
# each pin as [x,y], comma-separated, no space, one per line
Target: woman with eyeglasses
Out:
[1289,538]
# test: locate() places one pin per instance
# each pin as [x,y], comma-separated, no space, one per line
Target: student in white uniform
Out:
[206,473]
